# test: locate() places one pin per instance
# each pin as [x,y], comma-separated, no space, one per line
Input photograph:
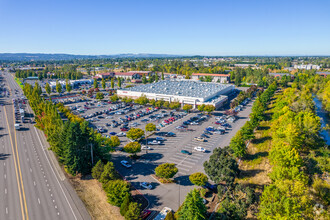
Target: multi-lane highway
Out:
[33,186]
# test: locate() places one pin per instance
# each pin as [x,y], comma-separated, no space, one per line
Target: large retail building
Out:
[183,91]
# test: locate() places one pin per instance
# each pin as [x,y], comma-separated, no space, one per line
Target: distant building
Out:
[307,67]
[74,83]
[244,65]
[324,74]
[279,75]
[129,75]
[104,75]
[222,78]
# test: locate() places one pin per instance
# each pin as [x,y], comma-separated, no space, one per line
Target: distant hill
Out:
[44,56]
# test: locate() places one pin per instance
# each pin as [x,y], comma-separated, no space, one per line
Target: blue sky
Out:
[223,27]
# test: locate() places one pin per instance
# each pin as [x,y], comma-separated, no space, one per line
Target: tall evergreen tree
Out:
[193,207]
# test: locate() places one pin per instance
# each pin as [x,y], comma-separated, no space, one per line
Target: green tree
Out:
[112,83]
[124,206]
[142,100]
[133,212]
[48,89]
[193,207]
[198,179]
[156,77]
[175,105]
[58,87]
[201,107]
[209,108]
[166,170]
[99,96]
[68,86]
[237,144]
[187,107]
[116,191]
[159,103]
[96,84]
[144,79]
[109,173]
[115,141]
[132,148]
[221,166]
[114,98]
[103,83]
[162,76]
[119,82]
[150,127]
[98,170]
[135,133]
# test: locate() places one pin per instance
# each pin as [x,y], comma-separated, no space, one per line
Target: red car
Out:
[145,214]
[124,129]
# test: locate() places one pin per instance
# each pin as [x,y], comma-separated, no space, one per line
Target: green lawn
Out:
[19,82]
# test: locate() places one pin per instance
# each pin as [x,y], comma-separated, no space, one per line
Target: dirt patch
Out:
[91,193]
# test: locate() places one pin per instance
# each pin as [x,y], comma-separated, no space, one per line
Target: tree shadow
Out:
[263,128]
[153,201]
[260,140]
[183,180]
[249,173]
[250,157]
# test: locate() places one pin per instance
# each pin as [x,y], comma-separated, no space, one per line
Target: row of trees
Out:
[71,141]
[245,134]
[143,100]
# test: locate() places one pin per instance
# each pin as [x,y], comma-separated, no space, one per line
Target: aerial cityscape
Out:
[165,110]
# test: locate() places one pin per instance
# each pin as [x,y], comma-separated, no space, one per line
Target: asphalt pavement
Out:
[34,186]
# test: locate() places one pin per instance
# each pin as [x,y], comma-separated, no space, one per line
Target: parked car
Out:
[112,133]
[160,139]
[145,214]
[125,164]
[185,152]
[144,147]
[121,134]
[200,149]
[146,185]
[199,139]
[154,142]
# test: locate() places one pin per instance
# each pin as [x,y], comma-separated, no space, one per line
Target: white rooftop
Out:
[185,88]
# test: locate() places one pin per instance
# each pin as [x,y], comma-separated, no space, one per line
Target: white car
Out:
[146,185]
[125,164]
[121,134]
[109,117]
[200,149]
[144,147]
[154,142]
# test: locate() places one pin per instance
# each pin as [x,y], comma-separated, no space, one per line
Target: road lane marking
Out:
[39,201]
[5,176]
[18,183]
[5,190]
[55,176]
[19,169]
[7,210]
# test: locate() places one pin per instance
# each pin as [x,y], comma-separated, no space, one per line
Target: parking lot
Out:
[179,149]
